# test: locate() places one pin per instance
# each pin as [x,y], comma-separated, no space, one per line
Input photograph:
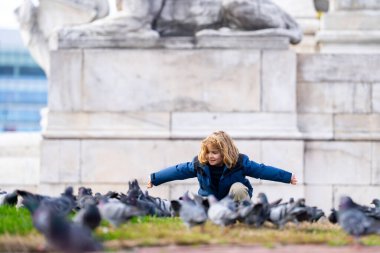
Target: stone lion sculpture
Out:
[39,21]
[147,19]
[188,17]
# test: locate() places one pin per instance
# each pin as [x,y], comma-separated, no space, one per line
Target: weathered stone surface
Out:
[19,171]
[357,126]
[279,190]
[65,85]
[238,125]
[351,5]
[334,97]
[320,196]
[278,81]
[349,42]
[108,125]
[287,155]
[351,20]
[298,9]
[338,163]
[362,194]
[315,126]
[250,148]
[376,163]
[376,98]
[71,39]
[240,39]
[60,161]
[338,68]
[105,73]
[120,161]
[19,160]
[178,188]
[20,144]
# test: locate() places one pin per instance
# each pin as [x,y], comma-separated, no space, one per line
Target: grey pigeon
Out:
[62,205]
[88,216]
[249,213]
[333,216]
[286,212]
[163,205]
[116,212]
[191,211]
[255,214]
[308,213]
[354,221]
[85,198]
[376,202]
[8,198]
[61,234]
[223,212]
[136,197]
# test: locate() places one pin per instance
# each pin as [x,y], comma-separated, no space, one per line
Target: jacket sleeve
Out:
[265,172]
[177,172]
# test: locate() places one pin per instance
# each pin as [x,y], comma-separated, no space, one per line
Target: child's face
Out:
[214,156]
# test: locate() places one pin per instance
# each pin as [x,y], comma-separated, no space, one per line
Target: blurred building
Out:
[23,85]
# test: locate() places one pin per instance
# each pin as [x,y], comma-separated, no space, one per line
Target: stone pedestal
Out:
[117,112]
[306,16]
[353,26]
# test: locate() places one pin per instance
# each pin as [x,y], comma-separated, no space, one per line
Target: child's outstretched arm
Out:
[265,172]
[177,172]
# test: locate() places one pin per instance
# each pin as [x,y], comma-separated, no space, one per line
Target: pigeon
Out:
[353,219]
[191,211]
[61,234]
[88,216]
[376,202]
[8,198]
[286,212]
[116,212]
[162,205]
[309,213]
[136,197]
[333,216]
[255,214]
[223,212]
[250,213]
[85,198]
[63,205]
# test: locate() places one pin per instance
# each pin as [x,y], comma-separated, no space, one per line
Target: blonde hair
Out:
[223,142]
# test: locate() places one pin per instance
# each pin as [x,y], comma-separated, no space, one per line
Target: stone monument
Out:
[352,26]
[135,92]
[130,95]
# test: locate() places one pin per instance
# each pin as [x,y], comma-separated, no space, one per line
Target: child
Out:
[221,170]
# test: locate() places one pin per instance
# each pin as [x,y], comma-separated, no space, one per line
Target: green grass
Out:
[17,233]
[15,221]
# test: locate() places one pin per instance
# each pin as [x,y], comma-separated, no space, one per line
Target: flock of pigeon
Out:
[50,214]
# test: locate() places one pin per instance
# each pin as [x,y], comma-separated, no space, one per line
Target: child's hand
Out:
[149,185]
[293,180]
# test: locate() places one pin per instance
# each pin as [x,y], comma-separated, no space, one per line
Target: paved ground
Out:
[256,249]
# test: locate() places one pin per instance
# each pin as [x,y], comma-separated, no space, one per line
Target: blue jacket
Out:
[244,167]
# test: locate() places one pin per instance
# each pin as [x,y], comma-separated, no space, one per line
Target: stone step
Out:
[351,20]
[355,5]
